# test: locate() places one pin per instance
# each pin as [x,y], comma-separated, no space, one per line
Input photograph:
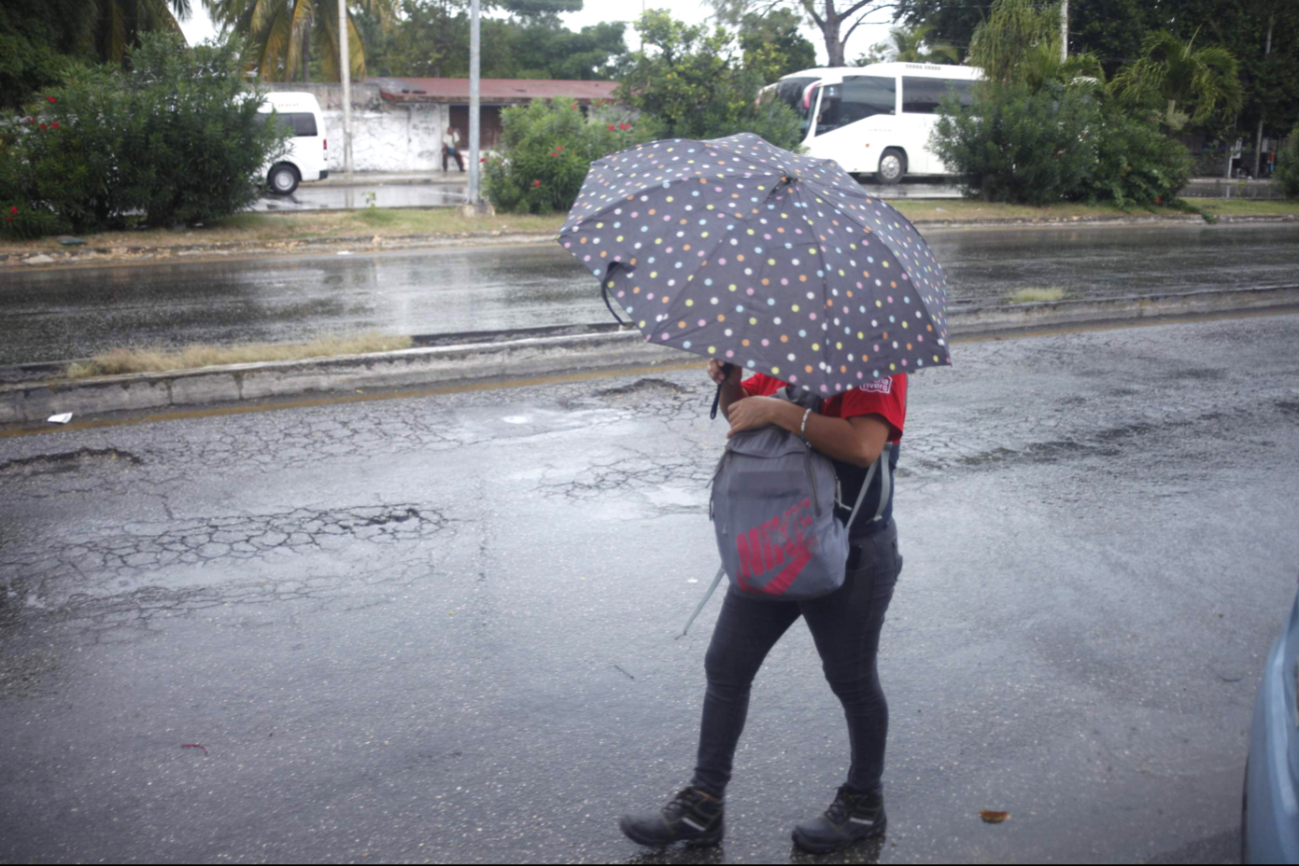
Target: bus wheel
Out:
[893,167]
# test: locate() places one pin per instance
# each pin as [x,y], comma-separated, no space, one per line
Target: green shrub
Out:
[546,150]
[176,140]
[1137,163]
[1287,166]
[1018,145]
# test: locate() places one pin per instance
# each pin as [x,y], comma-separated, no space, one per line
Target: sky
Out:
[199,26]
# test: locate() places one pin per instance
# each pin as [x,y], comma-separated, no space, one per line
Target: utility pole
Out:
[1064,30]
[1258,150]
[345,63]
[475,16]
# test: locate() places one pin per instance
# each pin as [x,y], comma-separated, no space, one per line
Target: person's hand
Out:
[715,372]
[752,413]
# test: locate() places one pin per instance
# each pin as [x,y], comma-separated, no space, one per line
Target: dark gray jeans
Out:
[846,627]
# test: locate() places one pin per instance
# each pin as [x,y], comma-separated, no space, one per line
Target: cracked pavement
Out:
[443,629]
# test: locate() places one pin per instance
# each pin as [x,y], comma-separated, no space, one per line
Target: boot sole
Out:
[814,848]
[708,841]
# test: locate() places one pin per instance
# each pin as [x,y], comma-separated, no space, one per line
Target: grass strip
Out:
[153,360]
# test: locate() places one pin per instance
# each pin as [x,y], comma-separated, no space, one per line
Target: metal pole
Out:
[1258,150]
[345,64]
[1064,30]
[475,15]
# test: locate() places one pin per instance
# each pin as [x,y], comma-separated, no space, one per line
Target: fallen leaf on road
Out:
[994,817]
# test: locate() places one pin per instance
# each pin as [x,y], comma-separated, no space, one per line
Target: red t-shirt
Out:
[884,397]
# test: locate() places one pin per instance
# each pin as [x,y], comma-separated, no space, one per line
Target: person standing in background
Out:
[451,148]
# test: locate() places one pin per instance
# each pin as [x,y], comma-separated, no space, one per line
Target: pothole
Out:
[643,388]
[70,461]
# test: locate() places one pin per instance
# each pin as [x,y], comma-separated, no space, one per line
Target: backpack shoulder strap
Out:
[866,483]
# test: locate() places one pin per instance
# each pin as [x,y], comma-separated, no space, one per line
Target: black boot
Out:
[851,818]
[692,817]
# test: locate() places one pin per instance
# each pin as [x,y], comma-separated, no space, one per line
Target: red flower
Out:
[31,120]
[43,126]
[559,147]
[14,210]
[9,219]
[575,105]
[51,99]
[484,159]
[54,125]
[611,127]
[625,127]
[536,183]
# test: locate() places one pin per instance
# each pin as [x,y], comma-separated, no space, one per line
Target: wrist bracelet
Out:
[802,433]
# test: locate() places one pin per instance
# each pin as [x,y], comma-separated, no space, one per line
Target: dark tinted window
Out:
[923,95]
[300,123]
[790,91]
[856,99]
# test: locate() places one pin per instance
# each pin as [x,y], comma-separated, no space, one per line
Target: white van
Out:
[875,119]
[307,156]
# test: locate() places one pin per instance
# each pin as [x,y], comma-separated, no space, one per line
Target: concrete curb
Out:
[448,365]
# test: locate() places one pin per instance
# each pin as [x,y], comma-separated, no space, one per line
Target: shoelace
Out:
[841,809]
[681,803]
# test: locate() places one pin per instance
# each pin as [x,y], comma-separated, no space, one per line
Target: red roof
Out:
[497,90]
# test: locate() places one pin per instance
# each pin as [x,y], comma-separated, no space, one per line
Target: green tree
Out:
[1016,32]
[175,139]
[917,45]
[1201,81]
[284,36]
[837,20]
[686,79]
[39,38]
[773,46]
[430,38]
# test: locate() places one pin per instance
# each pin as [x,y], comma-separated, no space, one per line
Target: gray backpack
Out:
[773,509]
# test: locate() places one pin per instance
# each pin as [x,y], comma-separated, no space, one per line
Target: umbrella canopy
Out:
[738,250]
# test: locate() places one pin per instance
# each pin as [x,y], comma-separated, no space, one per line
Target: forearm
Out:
[836,438]
[732,392]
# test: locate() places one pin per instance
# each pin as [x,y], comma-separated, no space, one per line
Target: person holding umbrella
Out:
[853,430]
[781,265]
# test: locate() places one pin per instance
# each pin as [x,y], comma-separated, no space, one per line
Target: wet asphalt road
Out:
[442,629]
[62,314]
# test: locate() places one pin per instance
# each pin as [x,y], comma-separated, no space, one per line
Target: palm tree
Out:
[113,27]
[913,46]
[283,35]
[1013,31]
[1178,73]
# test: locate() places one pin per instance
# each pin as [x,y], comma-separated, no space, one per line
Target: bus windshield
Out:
[790,91]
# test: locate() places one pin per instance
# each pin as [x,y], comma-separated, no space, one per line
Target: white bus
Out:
[875,119]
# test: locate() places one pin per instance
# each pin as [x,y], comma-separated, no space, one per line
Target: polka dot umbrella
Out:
[738,250]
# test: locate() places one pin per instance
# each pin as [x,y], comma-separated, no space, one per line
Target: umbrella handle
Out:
[717,400]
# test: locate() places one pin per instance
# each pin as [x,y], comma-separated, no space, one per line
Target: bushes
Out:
[1057,144]
[547,149]
[1287,167]
[176,140]
[1014,145]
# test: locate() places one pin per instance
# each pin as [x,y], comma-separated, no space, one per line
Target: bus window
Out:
[858,98]
[924,95]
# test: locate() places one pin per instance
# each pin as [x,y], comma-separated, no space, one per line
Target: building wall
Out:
[391,138]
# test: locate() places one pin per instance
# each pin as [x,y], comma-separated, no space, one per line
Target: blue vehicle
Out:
[1270,822]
